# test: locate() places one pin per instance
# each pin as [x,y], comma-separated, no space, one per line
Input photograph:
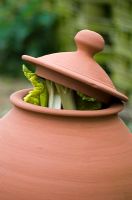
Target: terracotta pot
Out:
[50,154]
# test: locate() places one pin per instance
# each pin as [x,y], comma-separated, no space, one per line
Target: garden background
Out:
[38,27]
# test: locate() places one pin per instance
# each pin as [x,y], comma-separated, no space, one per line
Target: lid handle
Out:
[89,41]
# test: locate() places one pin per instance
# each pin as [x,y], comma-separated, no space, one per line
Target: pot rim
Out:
[16,99]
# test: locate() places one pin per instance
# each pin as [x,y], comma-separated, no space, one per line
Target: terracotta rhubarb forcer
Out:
[49,154]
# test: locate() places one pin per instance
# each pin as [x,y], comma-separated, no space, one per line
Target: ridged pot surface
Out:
[64,155]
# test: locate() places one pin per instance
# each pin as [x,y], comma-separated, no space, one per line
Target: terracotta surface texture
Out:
[48,154]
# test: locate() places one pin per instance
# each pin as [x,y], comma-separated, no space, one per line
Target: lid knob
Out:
[89,42]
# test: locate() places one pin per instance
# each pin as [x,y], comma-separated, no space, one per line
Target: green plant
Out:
[46,93]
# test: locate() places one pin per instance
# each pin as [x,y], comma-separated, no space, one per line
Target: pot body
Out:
[53,157]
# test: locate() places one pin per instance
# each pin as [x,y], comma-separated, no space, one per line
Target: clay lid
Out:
[78,70]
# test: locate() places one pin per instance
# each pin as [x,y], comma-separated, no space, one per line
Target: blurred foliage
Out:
[38,27]
[25,28]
